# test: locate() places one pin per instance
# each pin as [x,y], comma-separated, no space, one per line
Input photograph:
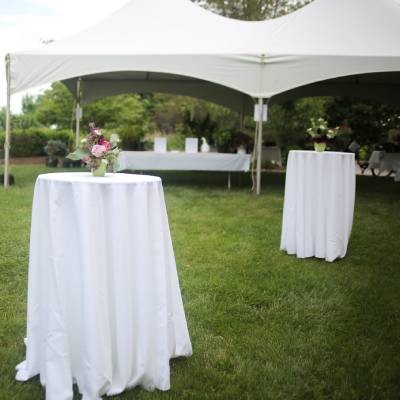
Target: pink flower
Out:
[99,150]
[85,159]
[105,143]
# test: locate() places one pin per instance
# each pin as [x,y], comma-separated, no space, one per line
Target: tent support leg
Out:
[8,125]
[242,114]
[229,181]
[78,112]
[259,146]
[253,160]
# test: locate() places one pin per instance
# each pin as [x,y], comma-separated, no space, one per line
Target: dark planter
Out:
[11,179]
[67,163]
[51,162]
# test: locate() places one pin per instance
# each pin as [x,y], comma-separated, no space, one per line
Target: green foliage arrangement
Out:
[320,132]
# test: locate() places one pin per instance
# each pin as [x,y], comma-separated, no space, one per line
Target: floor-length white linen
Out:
[319,204]
[180,161]
[104,303]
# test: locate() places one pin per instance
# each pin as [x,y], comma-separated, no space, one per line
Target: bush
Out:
[31,142]
[130,142]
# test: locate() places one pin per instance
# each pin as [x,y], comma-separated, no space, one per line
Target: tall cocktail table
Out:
[104,303]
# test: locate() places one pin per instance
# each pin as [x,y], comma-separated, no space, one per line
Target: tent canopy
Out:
[346,46]
[97,86]
[177,46]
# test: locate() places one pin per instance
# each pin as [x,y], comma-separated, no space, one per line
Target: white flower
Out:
[114,139]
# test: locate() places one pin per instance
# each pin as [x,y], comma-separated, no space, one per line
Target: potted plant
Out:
[56,150]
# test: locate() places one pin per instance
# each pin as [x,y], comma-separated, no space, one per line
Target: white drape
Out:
[180,161]
[104,304]
[319,204]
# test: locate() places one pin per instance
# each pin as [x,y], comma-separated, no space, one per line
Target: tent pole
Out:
[253,159]
[78,112]
[8,125]
[259,145]
[242,113]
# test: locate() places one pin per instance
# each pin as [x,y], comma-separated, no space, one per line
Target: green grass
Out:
[264,325]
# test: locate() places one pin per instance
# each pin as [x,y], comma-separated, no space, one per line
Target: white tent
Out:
[176,46]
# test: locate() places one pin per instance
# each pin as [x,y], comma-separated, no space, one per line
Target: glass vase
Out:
[100,170]
[320,147]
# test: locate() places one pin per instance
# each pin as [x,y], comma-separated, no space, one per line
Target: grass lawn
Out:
[264,325]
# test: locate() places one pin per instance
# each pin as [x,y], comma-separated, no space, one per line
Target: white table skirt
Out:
[180,161]
[104,304]
[319,204]
[385,162]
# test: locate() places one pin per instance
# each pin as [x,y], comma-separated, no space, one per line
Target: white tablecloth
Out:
[319,204]
[180,161]
[385,162]
[104,304]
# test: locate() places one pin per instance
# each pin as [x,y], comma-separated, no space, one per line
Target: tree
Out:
[125,114]
[288,122]
[55,106]
[252,10]
[370,121]
[28,117]
[2,118]
[28,104]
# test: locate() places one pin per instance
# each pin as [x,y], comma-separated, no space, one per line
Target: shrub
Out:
[31,142]
[56,148]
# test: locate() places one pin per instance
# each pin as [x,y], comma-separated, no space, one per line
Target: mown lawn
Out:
[264,325]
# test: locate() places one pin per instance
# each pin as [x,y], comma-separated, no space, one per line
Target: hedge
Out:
[31,142]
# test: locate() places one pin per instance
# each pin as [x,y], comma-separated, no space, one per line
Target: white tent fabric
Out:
[181,48]
[324,40]
[97,86]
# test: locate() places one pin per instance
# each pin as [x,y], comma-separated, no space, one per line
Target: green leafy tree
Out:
[55,106]
[288,122]
[2,118]
[125,114]
[252,10]
[28,117]
[369,121]
[28,104]
[169,111]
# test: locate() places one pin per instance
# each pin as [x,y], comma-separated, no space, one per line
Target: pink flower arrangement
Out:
[95,149]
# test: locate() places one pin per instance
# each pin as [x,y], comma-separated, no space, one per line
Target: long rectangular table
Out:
[180,161]
[385,162]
